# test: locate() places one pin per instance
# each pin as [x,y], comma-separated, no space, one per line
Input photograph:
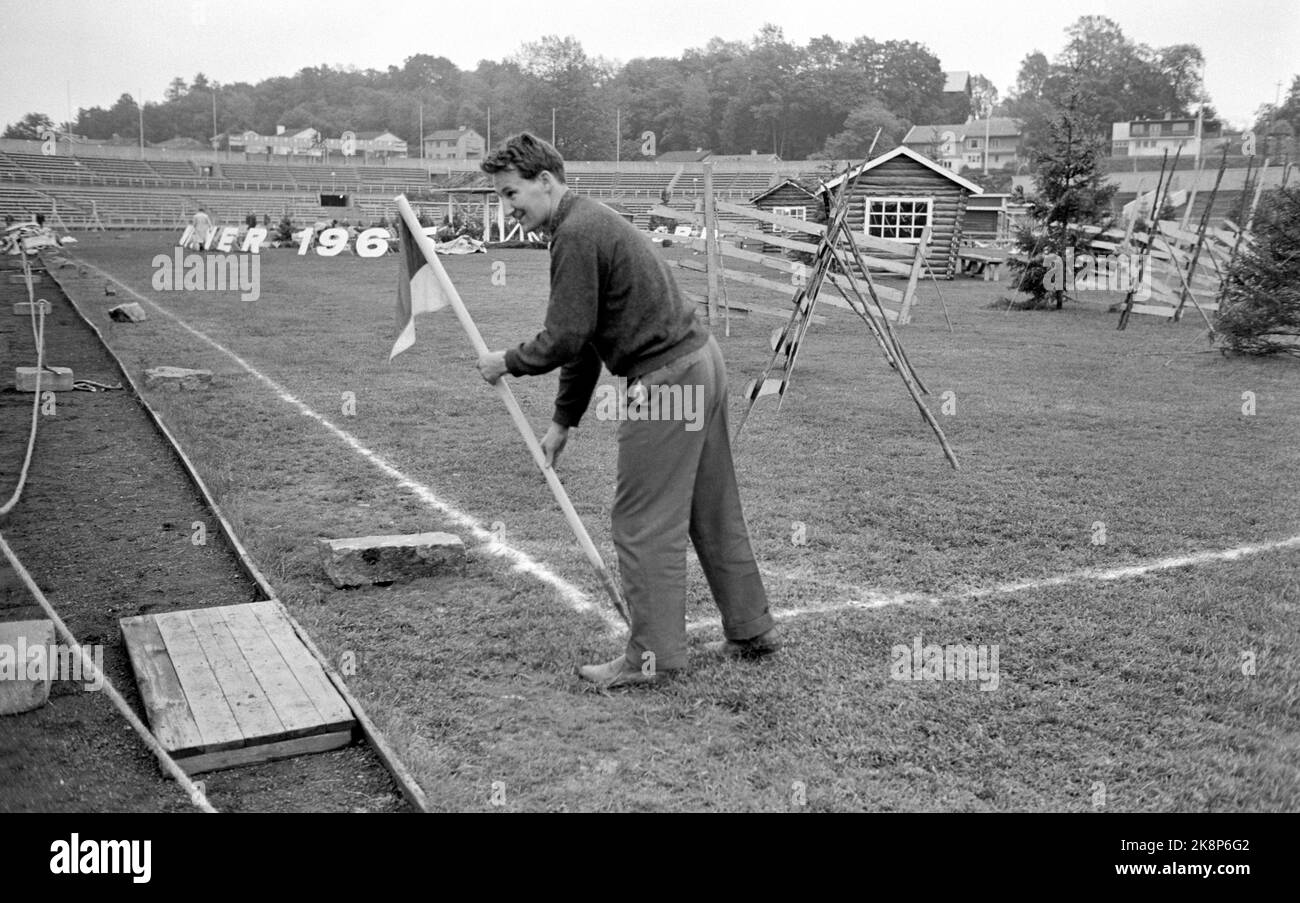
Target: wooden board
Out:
[266,752]
[865,242]
[233,685]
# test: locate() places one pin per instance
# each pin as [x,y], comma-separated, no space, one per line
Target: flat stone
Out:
[58,381]
[24,308]
[177,378]
[127,313]
[18,691]
[364,560]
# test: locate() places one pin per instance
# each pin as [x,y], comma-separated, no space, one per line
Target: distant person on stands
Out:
[202,228]
[251,220]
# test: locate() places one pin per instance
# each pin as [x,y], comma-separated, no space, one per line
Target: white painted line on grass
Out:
[862,598]
[522,561]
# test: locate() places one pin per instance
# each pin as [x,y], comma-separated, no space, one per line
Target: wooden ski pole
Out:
[1200,241]
[1146,250]
[516,414]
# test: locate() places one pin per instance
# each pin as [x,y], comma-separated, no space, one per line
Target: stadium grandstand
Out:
[161,189]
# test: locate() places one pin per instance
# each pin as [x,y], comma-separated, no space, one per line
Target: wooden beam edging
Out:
[405,782]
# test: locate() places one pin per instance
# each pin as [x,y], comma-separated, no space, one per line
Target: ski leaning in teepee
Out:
[787,340]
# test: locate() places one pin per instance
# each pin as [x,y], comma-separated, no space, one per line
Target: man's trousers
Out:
[676,478]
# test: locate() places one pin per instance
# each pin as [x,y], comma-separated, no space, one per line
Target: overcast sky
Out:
[95,50]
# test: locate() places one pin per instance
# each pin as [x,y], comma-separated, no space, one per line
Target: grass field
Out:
[1122,694]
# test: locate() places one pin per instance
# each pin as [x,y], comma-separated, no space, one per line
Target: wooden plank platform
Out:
[233,685]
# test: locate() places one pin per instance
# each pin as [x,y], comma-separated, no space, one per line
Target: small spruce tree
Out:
[1260,311]
[1070,190]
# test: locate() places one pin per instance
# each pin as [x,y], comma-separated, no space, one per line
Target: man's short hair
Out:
[528,155]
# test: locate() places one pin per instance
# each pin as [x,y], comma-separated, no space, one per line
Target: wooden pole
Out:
[1259,190]
[1200,239]
[942,303]
[1146,250]
[508,398]
[1191,198]
[710,226]
[1187,289]
[1241,231]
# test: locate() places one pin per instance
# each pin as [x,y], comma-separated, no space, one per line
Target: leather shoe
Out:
[756,647]
[619,672]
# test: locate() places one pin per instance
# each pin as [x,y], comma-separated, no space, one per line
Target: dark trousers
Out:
[676,479]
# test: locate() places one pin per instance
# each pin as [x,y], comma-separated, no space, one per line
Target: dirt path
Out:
[105,528]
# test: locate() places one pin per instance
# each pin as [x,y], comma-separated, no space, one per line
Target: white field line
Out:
[523,562]
[866,599]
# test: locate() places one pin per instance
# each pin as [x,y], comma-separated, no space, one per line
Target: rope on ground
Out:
[38,334]
[197,797]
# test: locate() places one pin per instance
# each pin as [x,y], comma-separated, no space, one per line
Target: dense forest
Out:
[826,98]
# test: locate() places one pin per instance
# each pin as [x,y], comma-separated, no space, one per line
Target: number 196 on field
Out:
[370,243]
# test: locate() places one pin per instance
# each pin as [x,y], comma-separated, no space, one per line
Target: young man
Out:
[614,301]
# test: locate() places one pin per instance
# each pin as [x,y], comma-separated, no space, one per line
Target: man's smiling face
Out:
[532,200]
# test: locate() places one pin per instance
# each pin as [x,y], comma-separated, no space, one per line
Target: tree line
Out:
[824,99]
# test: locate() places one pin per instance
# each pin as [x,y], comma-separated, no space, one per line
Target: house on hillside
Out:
[901,194]
[1152,137]
[371,145]
[463,143]
[284,143]
[959,146]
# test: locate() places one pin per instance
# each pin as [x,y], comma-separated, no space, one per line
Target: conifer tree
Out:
[1070,191]
[1260,310]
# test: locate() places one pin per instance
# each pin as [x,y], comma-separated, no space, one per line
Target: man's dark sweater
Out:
[613,300]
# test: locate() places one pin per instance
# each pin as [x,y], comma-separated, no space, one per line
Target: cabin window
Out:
[793,213]
[898,219]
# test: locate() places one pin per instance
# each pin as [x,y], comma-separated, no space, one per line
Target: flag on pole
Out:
[418,288]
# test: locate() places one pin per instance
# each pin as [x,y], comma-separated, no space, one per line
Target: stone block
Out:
[23,684]
[127,313]
[58,381]
[177,378]
[24,308]
[363,560]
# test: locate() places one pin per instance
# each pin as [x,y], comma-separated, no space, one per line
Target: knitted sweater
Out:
[613,300]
